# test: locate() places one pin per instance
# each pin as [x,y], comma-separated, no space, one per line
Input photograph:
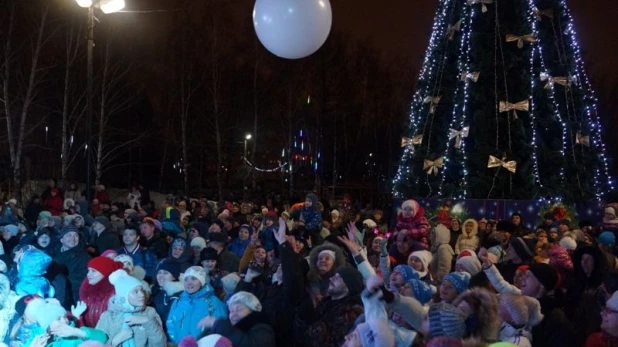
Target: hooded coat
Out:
[149,334]
[442,251]
[32,268]
[417,226]
[468,240]
[484,322]
[318,283]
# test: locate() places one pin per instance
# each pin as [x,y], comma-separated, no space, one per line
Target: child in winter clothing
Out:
[54,327]
[468,238]
[519,314]
[197,301]
[412,218]
[128,321]
[420,261]
[31,268]
[96,290]
[442,252]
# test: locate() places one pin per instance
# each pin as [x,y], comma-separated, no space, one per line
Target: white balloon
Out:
[292,29]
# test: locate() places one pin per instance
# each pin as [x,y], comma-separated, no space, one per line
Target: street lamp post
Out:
[247,138]
[106,6]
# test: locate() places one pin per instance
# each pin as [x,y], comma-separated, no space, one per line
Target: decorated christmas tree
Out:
[503,108]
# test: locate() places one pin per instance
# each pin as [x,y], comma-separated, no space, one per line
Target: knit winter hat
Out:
[446,320]
[102,220]
[198,242]
[104,265]
[328,252]
[45,312]
[411,203]
[209,253]
[425,257]
[67,229]
[179,242]
[126,261]
[459,280]
[607,238]
[11,229]
[521,247]
[471,264]
[197,272]
[170,265]
[229,282]
[505,226]
[247,299]
[214,340]
[44,215]
[422,291]
[352,279]
[123,284]
[369,223]
[407,272]
[612,303]
[525,311]
[545,274]
[109,252]
[376,332]
[568,243]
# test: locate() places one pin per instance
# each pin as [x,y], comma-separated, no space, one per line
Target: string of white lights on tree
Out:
[253,167]
[404,169]
[463,65]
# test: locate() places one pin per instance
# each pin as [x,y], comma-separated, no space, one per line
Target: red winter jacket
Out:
[418,226]
[96,298]
[54,205]
[601,340]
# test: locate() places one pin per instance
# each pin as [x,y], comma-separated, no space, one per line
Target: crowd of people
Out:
[191,272]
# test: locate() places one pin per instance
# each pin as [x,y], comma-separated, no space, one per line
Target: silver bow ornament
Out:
[563,81]
[482,2]
[472,76]
[416,140]
[581,139]
[506,106]
[520,39]
[510,165]
[549,13]
[459,135]
[433,103]
[452,29]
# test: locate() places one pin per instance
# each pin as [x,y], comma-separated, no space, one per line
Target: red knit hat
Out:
[104,265]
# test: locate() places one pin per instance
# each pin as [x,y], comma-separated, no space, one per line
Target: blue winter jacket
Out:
[189,309]
[143,257]
[239,246]
[311,217]
[32,267]
[267,237]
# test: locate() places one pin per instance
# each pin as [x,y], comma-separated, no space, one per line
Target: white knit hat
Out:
[247,299]
[229,282]
[472,265]
[370,223]
[425,257]
[197,272]
[45,312]
[126,260]
[329,252]
[198,242]
[123,284]
[568,243]
[523,310]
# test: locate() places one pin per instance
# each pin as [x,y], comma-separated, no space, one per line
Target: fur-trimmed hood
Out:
[172,287]
[439,235]
[484,323]
[475,228]
[340,258]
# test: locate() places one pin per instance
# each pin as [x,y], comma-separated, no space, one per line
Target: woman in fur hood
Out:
[482,310]
[324,261]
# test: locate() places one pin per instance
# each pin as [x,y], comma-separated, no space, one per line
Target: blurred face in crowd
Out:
[243,234]
[70,240]
[147,230]
[177,251]
[375,245]
[193,233]
[455,225]
[563,228]
[260,255]
[43,240]
[609,321]
[397,280]
[402,243]
[137,297]
[530,286]
[448,292]
[238,312]
[542,237]
[308,203]
[407,212]
[353,339]
[469,227]
[192,284]
[325,263]
[209,264]
[164,277]
[235,209]
[519,275]
[516,219]
[415,263]
[336,287]
[269,222]
[553,234]
[227,224]
[587,263]
[482,225]
[129,237]
[94,276]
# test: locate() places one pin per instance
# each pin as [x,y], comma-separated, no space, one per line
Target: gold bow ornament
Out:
[416,140]
[458,135]
[563,81]
[506,106]
[495,162]
[472,76]
[581,139]
[433,102]
[549,13]
[482,2]
[452,29]
[520,39]
[432,166]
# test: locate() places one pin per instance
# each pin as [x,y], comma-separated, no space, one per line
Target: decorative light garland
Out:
[253,167]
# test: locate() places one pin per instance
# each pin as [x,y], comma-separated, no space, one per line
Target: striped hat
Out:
[446,320]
